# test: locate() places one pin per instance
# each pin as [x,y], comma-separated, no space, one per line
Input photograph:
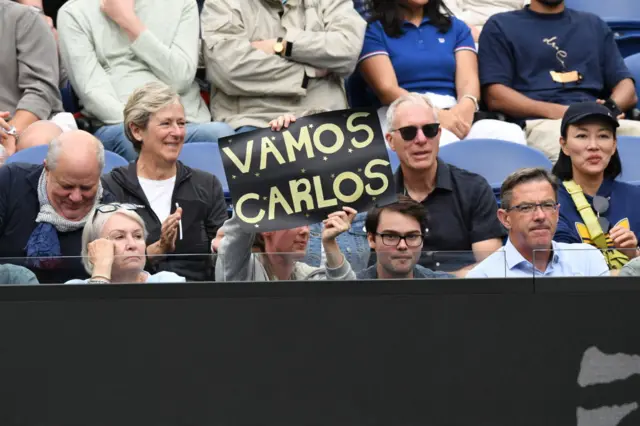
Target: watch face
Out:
[278,47]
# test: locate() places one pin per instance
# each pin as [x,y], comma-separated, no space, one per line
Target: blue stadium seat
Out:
[633,63]
[37,154]
[492,159]
[609,10]
[33,155]
[356,89]
[113,160]
[393,159]
[70,101]
[205,156]
[622,16]
[629,150]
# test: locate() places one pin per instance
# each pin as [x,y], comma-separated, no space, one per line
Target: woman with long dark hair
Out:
[418,46]
[589,158]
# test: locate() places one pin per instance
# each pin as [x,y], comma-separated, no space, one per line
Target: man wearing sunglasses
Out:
[530,212]
[460,204]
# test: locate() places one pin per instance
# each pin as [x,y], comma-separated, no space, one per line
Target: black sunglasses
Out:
[112,207]
[601,206]
[409,133]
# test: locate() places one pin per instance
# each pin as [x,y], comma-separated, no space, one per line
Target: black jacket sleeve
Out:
[218,209]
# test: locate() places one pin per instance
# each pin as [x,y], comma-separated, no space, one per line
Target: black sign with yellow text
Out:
[297,176]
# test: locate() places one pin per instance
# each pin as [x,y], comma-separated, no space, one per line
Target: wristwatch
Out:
[279,46]
[11,132]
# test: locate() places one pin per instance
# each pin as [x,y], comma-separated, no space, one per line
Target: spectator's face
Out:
[128,238]
[420,152]
[292,241]
[164,136]
[72,186]
[590,147]
[531,230]
[397,260]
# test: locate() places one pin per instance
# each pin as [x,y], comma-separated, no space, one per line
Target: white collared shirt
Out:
[567,260]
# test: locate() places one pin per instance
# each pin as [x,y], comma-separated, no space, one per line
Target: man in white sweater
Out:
[111,47]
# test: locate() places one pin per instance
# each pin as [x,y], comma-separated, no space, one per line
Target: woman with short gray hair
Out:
[184,207]
[113,248]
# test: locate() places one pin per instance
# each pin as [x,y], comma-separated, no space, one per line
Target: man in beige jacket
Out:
[265,58]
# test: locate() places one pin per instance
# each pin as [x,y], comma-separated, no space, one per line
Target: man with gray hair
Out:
[463,227]
[530,212]
[43,208]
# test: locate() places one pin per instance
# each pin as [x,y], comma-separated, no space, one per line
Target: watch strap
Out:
[287,49]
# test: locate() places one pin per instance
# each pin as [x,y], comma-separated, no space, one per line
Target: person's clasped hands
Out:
[168,235]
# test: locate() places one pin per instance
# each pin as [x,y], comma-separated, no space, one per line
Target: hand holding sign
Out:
[282,122]
[335,224]
[298,176]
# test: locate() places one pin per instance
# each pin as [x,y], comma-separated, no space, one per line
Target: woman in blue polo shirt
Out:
[413,46]
[589,157]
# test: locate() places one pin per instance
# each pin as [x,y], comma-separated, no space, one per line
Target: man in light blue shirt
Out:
[529,210]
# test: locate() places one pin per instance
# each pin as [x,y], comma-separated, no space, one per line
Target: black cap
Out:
[582,110]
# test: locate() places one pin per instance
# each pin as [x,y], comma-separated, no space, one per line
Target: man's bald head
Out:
[76,147]
[39,133]
[74,164]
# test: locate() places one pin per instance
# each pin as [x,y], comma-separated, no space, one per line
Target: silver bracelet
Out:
[475,101]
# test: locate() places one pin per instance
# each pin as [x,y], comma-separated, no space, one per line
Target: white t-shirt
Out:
[159,194]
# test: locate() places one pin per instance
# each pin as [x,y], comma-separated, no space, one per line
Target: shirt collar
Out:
[605,188]
[443,177]
[513,258]
[425,20]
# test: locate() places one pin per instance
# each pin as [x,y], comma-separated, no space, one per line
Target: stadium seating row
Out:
[476,155]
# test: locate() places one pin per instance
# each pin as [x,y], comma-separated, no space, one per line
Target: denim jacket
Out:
[419,272]
[352,243]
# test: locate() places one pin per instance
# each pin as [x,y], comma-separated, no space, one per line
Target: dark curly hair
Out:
[391,14]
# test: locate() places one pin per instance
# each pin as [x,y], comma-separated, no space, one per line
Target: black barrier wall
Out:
[450,352]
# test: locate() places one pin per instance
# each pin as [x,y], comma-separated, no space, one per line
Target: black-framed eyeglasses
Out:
[112,207]
[392,240]
[528,208]
[409,133]
[601,207]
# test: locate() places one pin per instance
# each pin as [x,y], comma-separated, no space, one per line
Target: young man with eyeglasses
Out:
[461,205]
[395,232]
[530,212]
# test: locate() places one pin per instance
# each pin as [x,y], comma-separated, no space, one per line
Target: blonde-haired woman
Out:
[184,207]
[113,248]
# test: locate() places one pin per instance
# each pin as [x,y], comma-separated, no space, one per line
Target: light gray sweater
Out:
[105,67]
[236,262]
[29,73]
[631,269]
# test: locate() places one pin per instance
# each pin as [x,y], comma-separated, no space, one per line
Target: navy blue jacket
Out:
[19,208]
